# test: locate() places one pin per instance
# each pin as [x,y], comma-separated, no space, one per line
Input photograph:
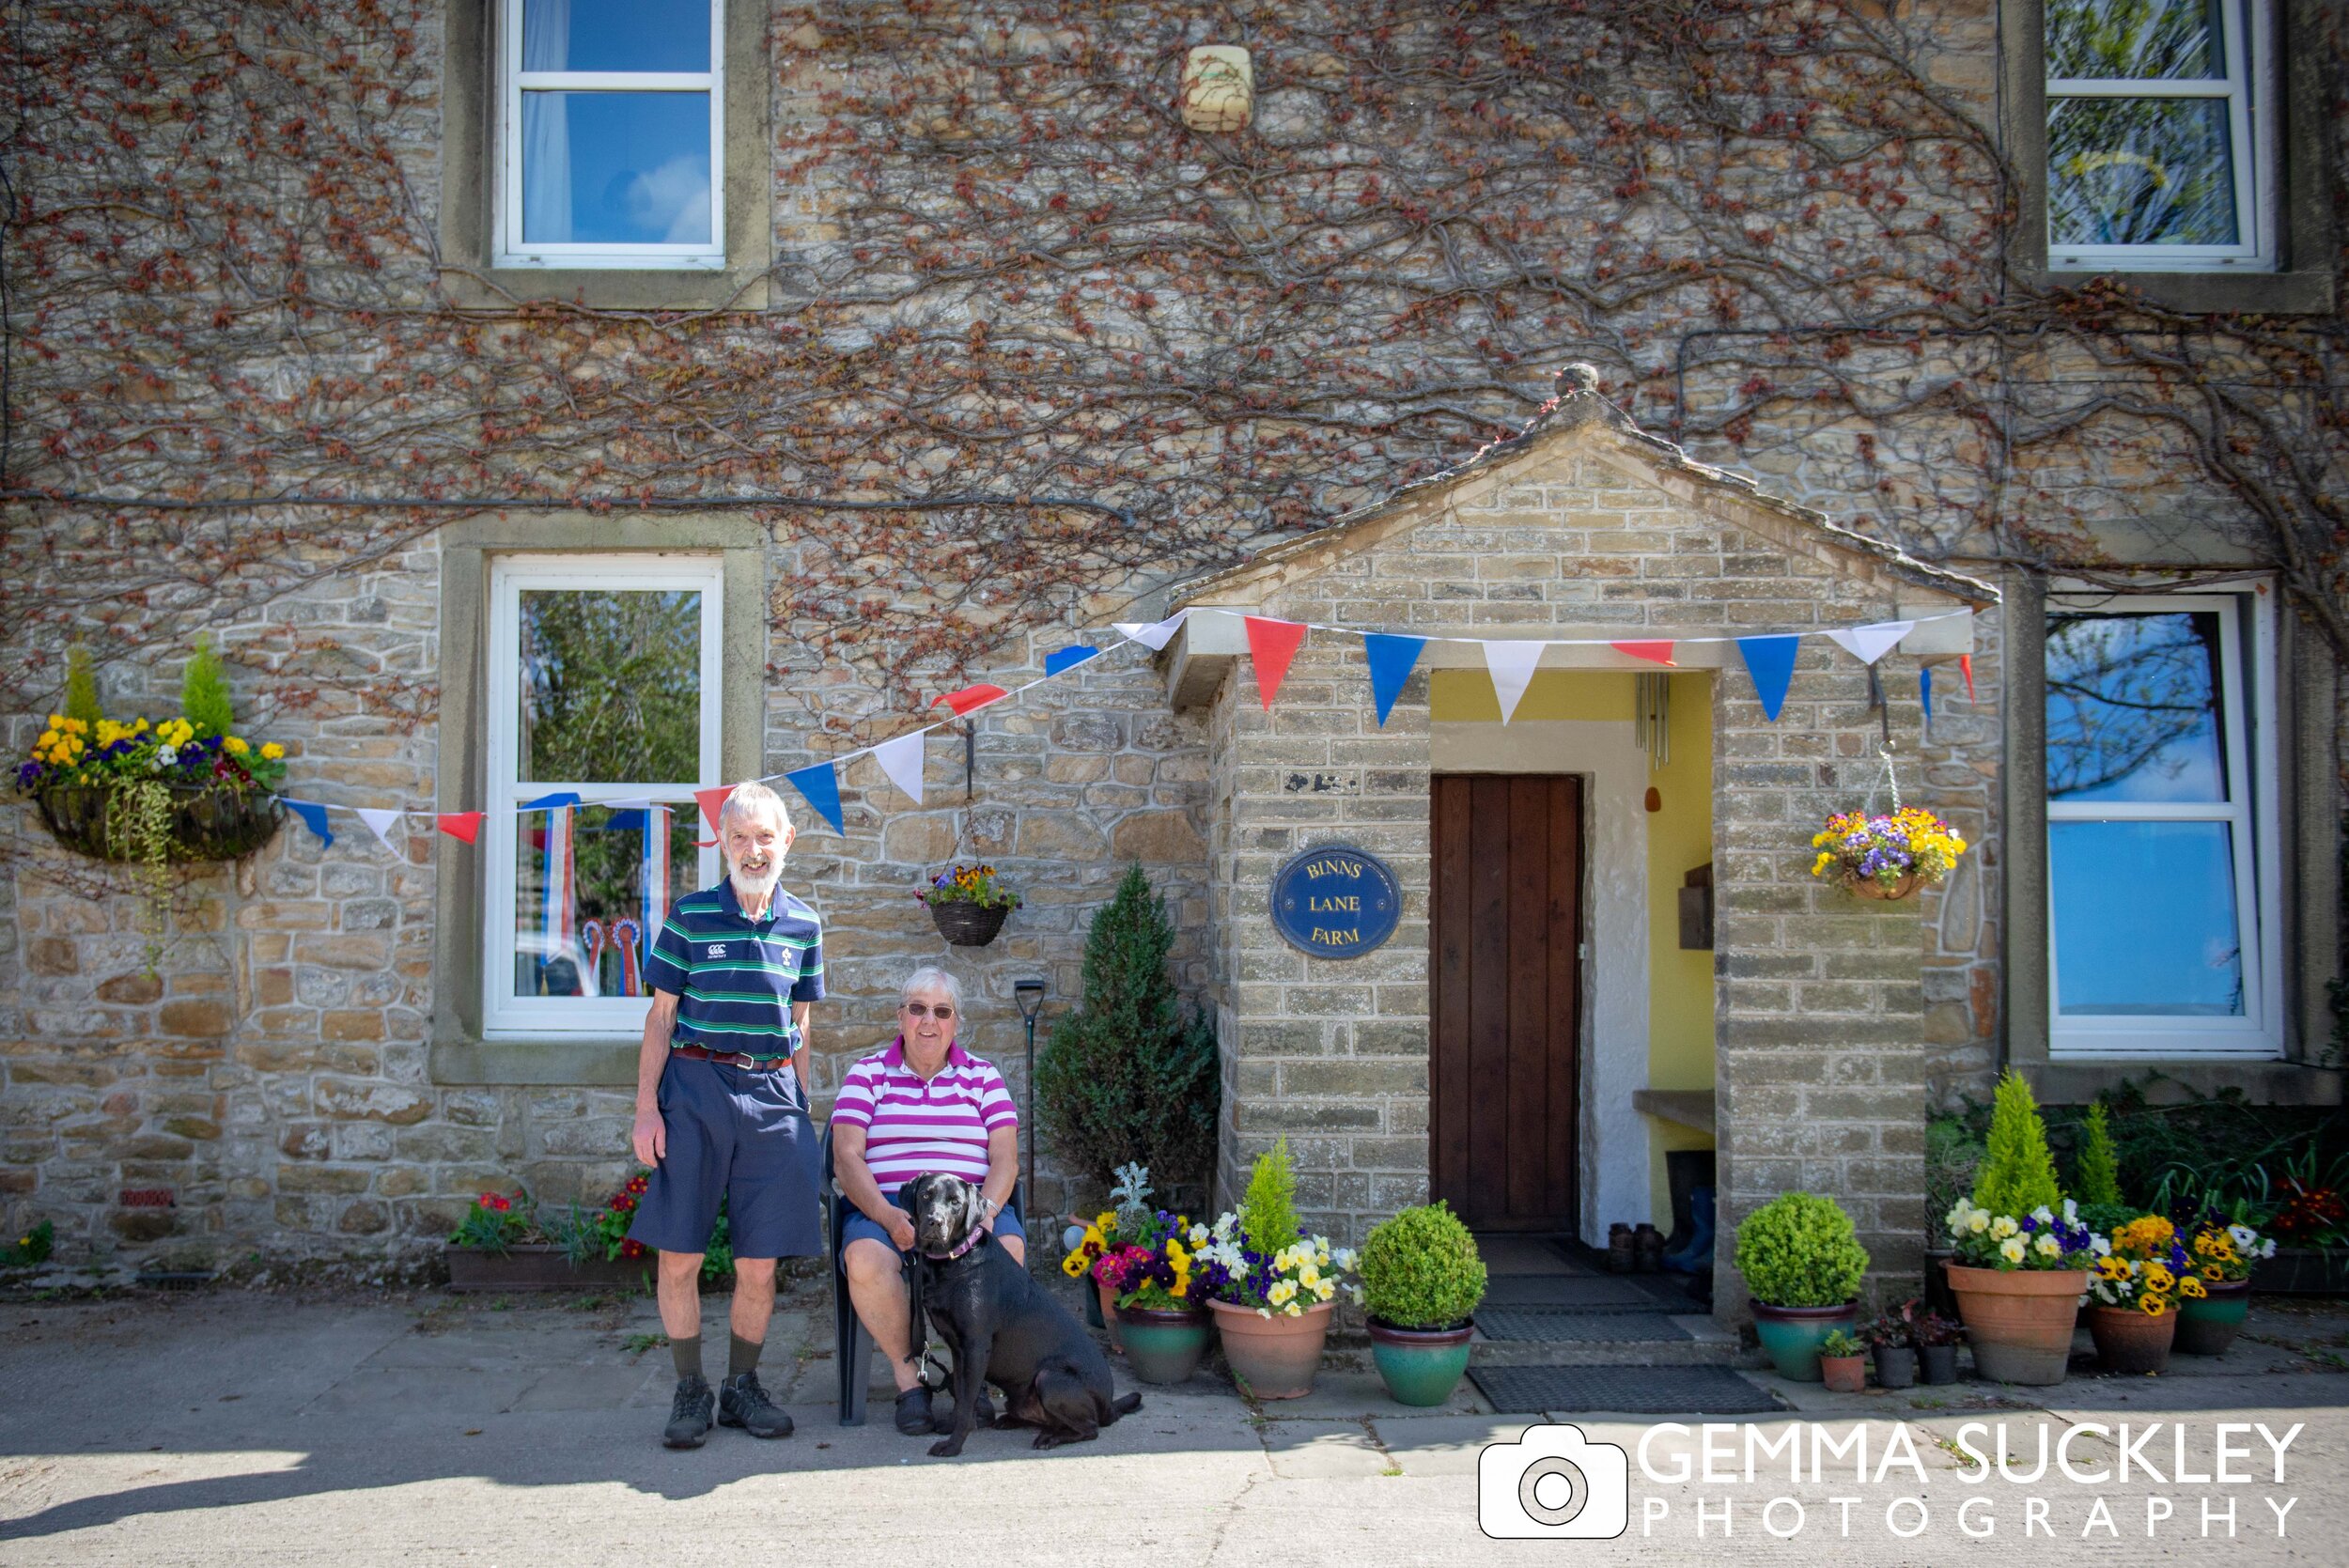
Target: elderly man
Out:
[722,1107]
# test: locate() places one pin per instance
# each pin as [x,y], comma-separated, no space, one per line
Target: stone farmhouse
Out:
[1611,944]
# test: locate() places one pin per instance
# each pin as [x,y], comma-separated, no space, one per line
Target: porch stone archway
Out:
[1811,1046]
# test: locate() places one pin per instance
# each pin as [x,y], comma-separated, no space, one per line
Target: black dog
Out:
[1001,1326]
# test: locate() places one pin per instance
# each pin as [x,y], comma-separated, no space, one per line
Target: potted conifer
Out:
[1271,1287]
[1421,1279]
[1803,1264]
[2022,1255]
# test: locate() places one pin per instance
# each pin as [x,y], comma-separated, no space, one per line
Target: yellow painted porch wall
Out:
[1679,837]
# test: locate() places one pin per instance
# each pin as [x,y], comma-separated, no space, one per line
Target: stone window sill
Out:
[2261,1083]
[533,1063]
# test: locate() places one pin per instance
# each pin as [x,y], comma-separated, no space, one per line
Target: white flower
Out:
[2070,1212]
[2101,1246]
[1344,1258]
[2004,1226]
[2048,1247]
[1325,1290]
[1977,1220]
[1280,1293]
[166,757]
[2044,1215]
[2011,1249]
[2243,1236]
[2268,1248]
[1309,1276]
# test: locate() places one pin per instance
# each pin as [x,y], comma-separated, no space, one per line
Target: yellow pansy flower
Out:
[236,746]
[272,751]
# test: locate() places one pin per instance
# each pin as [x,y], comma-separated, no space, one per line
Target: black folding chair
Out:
[851,1346]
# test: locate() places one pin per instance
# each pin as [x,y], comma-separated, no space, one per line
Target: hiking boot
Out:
[688,1413]
[742,1402]
[914,1417]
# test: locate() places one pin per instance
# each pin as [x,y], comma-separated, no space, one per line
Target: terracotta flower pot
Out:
[1109,1316]
[1419,1366]
[2208,1326]
[1164,1347]
[2129,1339]
[2019,1321]
[1843,1375]
[1274,1356]
[1791,1335]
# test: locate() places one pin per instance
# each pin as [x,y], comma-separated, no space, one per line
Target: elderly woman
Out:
[921,1104]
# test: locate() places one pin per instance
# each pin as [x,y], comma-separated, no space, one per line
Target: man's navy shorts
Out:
[741,1135]
[863,1227]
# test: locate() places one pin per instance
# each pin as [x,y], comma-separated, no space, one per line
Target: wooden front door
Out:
[1505,930]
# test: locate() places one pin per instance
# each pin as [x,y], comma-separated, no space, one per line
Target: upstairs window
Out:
[612,133]
[2161,859]
[2159,148]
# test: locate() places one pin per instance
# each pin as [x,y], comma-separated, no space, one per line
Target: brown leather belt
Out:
[732,1059]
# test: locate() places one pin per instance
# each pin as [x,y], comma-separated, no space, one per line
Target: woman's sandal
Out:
[914,1413]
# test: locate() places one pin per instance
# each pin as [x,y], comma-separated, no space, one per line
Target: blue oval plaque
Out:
[1335,901]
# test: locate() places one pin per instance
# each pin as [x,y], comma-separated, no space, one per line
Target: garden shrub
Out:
[2097,1172]
[1268,1213]
[2017,1172]
[1798,1249]
[1421,1269]
[204,699]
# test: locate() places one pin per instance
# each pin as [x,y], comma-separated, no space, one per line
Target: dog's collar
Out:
[968,1242]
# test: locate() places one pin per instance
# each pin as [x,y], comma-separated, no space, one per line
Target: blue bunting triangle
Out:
[561,800]
[1770,661]
[313,813]
[1068,658]
[1391,659]
[821,786]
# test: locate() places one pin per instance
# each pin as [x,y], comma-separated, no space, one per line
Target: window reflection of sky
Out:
[2133,708]
[2145,919]
[627,168]
[616,35]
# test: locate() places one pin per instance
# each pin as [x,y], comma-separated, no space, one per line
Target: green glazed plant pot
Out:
[1791,1335]
[1164,1347]
[1421,1366]
[2208,1326]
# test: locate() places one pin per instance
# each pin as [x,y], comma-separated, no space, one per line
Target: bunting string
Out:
[1273,643]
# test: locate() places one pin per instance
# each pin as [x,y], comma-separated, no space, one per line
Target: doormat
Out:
[1633,1391]
[1538,1323]
[1558,1290]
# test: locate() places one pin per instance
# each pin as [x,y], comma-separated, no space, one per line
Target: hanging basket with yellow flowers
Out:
[969,904]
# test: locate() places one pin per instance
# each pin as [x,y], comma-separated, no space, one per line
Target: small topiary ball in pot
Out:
[1798,1249]
[1421,1269]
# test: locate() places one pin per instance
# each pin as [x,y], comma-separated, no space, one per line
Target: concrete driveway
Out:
[234,1427]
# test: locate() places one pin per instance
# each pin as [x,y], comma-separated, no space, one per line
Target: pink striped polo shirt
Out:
[911,1126]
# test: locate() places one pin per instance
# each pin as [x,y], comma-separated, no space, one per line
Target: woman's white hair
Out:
[929,977]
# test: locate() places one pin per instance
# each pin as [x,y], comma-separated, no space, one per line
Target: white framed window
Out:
[2160,142]
[2163,928]
[612,133]
[603,684]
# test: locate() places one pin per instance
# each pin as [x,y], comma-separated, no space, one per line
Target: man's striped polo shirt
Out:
[737,978]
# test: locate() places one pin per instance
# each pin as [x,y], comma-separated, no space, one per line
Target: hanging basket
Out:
[1869,887]
[968,925]
[207,823]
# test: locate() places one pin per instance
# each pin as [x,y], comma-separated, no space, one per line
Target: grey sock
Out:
[742,1355]
[686,1353]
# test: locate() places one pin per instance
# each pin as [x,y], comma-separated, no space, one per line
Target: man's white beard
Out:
[754,889]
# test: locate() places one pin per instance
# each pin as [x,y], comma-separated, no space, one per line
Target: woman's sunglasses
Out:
[944,1011]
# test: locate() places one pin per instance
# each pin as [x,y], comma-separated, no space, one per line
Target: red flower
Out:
[632,1250]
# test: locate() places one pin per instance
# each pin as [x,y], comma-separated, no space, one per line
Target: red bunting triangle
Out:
[713,801]
[464,825]
[971,697]
[1966,664]
[1271,644]
[1655,653]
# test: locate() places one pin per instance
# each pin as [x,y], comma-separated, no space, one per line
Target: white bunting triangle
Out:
[1868,644]
[901,759]
[379,821]
[1512,666]
[1149,636]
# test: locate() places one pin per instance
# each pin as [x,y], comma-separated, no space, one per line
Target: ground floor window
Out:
[2161,812]
[603,699]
